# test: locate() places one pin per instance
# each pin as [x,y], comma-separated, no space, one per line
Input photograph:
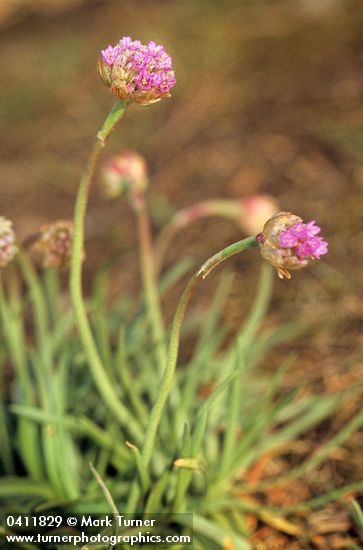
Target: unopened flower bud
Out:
[288,243]
[135,72]
[8,248]
[124,174]
[256,209]
[55,243]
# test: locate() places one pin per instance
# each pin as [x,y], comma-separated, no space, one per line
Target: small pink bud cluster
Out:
[125,173]
[55,243]
[135,72]
[303,238]
[8,248]
[288,243]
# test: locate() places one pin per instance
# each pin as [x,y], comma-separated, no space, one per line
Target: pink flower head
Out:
[135,72]
[289,243]
[164,82]
[154,49]
[144,81]
[302,237]
[110,54]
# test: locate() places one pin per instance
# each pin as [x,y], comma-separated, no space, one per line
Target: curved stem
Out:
[157,410]
[98,372]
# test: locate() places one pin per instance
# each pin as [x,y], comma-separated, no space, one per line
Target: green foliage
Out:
[205,445]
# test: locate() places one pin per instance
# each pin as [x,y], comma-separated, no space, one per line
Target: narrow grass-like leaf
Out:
[142,472]
[66,450]
[258,310]
[28,433]
[80,425]
[322,500]
[153,503]
[275,337]
[320,455]
[102,338]
[184,476]
[123,371]
[239,519]
[214,533]
[194,374]
[49,432]
[199,430]
[356,513]
[310,417]
[323,407]
[15,487]
[230,435]
[242,343]
[208,343]
[61,332]
[43,363]
[5,447]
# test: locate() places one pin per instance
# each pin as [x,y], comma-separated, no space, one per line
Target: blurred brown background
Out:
[269,98]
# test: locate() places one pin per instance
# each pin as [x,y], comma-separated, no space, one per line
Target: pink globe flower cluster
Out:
[288,243]
[135,72]
[303,238]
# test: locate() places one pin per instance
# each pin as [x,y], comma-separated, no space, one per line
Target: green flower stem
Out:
[149,280]
[168,377]
[231,250]
[98,372]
